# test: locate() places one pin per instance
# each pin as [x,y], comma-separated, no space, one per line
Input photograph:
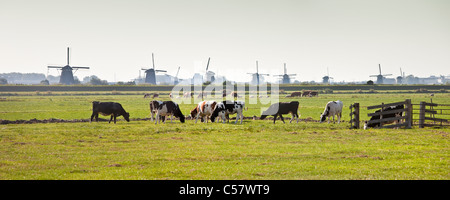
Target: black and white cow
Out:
[108,108]
[167,108]
[369,124]
[153,105]
[226,108]
[282,108]
[331,109]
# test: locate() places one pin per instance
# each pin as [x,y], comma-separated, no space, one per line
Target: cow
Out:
[202,95]
[369,124]
[204,109]
[295,94]
[108,108]
[153,108]
[331,109]
[226,108]
[313,94]
[306,93]
[235,95]
[167,108]
[282,108]
[153,95]
[188,94]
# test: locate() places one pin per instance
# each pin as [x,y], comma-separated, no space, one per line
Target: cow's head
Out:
[263,116]
[365,125]
[324,115]
[179,114]
[127,116]
[181,118]
[194,113]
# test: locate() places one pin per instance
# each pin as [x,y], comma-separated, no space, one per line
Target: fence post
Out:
[422,115]
[354,116]
[408,113]
[356,106]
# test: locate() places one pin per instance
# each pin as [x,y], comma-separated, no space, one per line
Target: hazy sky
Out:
[116,38]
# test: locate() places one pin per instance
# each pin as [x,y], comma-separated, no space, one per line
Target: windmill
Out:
[150,74]
[176,77]
[256,76]
[286,78]
[326,79]
[400,78]
[209,74]
[380,76]
[66,77]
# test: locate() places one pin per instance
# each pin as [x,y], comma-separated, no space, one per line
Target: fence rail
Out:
[432,112]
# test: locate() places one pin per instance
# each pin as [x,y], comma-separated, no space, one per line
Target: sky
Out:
[116,38]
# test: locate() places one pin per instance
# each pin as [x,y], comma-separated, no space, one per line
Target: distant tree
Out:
[126,83]
[3,81]
[97,81]
[370,82]
[45,82]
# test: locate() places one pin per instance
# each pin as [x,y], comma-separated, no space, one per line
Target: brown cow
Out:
[295,94]
[204,109]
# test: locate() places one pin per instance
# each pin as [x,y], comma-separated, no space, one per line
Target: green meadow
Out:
[256,149]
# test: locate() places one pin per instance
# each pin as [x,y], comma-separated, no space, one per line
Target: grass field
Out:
[257,149]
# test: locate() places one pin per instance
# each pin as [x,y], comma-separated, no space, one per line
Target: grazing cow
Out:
[204,109]
[202,95]
[153,95]
[282,108]
[369,124]
[235,95]
[153,108]
[108,108]
[295,94]
[331,109]
[306,93]
[188,94]
[167,108]
[226,108]
[313,94]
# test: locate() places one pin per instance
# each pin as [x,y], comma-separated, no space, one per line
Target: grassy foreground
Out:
[254,150]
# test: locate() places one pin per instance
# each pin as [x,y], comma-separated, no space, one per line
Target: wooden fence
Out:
[430,114]
[406,117]
[354,116]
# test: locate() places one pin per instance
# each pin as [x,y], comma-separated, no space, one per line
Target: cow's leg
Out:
[242,116]
[274,118]
[333,120]
[115,116]
[224,117]
[282,119]
[157,118]
[292,117]
[339,118]
[153,114]
[196,118]
[297,117]
[92,117]
[171,116]
[96,117]
[111,118]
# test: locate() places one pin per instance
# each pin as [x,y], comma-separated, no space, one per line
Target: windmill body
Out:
[66,77]
[209,74]
[150,74]
[286,78]
[257,78]
[380,77]
[326,79]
